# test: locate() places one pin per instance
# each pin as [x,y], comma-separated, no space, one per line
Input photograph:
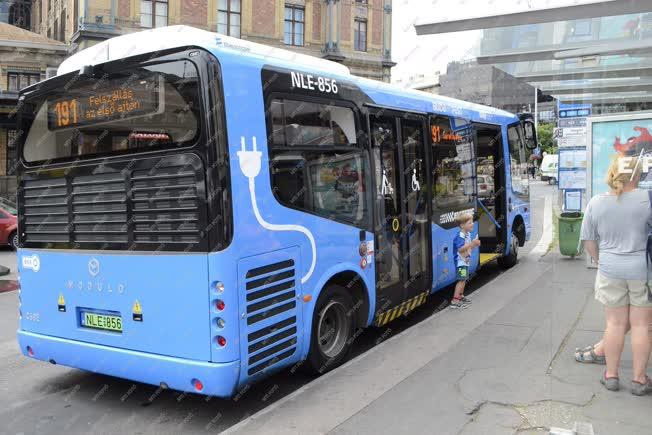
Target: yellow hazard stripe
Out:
[403,308]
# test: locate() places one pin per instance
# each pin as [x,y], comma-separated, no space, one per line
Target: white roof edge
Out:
[164,38]
[435,97]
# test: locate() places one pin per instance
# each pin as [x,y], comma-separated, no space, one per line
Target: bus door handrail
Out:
[488,213]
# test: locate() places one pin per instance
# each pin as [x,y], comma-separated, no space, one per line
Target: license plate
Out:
[101,321]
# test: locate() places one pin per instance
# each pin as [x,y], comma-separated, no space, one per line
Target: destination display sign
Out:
[112,101]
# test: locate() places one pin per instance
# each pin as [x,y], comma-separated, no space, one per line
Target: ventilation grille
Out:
[99,208]
[271,314]
[165,206]
[155,204]
[45,213]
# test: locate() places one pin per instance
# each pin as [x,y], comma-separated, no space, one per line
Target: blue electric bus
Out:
[198,211]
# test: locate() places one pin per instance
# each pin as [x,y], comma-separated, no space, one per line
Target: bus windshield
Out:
[150,106]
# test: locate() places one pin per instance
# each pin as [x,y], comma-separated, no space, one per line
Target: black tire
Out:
[13,240]
[333,320]
[510,260]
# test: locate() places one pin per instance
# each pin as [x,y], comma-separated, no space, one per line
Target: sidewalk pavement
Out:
[503,365]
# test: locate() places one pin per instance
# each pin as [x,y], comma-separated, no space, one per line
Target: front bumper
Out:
[218,379]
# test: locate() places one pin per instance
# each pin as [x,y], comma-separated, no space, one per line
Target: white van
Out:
[549,166]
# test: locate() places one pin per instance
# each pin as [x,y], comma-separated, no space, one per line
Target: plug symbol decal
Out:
[250,162]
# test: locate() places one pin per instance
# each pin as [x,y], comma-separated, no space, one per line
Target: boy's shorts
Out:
[621,292]
[462,273]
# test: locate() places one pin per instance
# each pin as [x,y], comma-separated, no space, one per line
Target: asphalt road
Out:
[36,397]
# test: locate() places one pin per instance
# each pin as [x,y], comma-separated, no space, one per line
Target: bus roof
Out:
[385,94]
[164,38]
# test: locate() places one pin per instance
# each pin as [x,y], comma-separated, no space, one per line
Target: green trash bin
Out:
[570,224]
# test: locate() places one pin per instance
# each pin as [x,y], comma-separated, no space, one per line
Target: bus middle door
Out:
[402,226]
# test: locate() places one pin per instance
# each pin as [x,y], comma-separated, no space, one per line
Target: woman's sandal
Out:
[639,389]
[588,356]
[611,384]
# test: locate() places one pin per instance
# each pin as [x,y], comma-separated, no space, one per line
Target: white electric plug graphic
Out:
[250,162]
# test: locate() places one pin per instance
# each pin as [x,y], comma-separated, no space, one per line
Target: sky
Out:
[431,53]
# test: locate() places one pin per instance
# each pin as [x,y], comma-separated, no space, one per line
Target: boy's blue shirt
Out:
[459,241]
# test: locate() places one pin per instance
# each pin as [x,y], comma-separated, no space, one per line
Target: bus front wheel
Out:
[332,328]
[511,259]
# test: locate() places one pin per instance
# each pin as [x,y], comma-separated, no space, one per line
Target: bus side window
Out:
[517,161]
[316,164]
[453,174]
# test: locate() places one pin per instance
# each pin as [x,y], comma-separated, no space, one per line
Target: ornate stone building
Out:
[354,32]
[25,59]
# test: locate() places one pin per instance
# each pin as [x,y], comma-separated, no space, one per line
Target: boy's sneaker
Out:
[465,300]
[458,305]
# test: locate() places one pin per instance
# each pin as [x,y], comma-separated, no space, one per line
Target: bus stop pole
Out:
[536,108]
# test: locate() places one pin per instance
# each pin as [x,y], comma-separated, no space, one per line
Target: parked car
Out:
[485,186]
[548,168]
[8,223]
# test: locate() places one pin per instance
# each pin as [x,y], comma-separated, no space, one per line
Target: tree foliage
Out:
[544,136]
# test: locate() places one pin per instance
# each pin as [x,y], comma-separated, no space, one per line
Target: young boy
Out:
[462,247]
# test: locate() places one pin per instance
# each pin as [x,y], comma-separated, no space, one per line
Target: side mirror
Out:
[530,134]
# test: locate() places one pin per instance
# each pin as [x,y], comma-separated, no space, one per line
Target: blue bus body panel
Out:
[254,246]
[172,291]
[218,379]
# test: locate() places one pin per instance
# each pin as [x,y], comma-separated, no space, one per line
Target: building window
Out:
[62,22]
[294,22]
[582,28]
[12,139]
[17,13]
[228,18]
[18,81]
[360,35]
[153,13]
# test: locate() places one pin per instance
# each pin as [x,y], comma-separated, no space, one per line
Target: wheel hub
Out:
[514,244]
[332,329]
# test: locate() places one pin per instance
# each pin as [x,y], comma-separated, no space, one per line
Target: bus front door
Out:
[402,225]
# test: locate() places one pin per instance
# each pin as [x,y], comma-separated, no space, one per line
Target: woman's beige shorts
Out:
[620,292]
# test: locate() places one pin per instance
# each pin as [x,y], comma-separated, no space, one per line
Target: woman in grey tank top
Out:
[614,232]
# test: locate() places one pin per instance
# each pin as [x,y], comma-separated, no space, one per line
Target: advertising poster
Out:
[613,138]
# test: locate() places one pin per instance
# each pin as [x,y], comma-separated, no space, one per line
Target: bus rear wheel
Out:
[510,260]
[332,328]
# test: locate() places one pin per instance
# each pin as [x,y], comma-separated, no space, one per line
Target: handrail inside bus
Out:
[488,213]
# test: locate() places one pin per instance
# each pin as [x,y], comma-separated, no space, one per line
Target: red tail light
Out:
[221,341]
[30,351]
[220,305]
[197,384]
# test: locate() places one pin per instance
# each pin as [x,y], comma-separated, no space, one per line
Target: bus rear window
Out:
[145,107]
